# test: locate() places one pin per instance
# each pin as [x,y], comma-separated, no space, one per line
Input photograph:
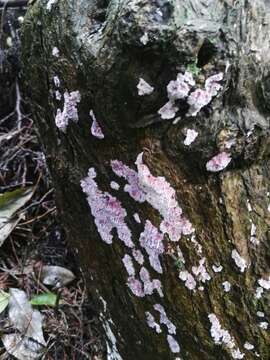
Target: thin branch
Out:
[13,3]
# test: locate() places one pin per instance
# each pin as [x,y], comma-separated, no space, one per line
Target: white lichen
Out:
[239,261]
[248,346]
[56,81]
[263,325]
[114,185]
[144,88]
[227,286]
[55,51]
[259,292]
[50,3]
[58,95]
[190,137]
[137,218]
[253,237]
[144,38]
[264,283]
[217,269]
[237,354]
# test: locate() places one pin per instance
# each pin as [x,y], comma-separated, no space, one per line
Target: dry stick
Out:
[18,105]
[4,7]
[40,216]
[13,3]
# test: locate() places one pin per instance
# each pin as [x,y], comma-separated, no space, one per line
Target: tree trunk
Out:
[172,221]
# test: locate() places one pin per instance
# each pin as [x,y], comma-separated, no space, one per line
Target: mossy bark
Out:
[102,56]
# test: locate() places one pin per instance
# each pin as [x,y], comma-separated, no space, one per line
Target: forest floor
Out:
[32,243]
[70,327]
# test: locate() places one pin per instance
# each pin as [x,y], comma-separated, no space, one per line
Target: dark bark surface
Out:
[102,56]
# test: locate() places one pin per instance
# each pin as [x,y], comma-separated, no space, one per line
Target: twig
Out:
[40,216]
[18,106]
[13,3]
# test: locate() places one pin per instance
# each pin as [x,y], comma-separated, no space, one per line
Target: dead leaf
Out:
[23,317]
[9,135]
[10,203]
[4,299]
[57,276]
[22,347]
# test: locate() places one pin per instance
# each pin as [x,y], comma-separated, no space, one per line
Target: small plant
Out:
[179,264]
[193,69]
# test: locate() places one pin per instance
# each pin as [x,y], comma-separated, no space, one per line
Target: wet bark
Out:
[103,56]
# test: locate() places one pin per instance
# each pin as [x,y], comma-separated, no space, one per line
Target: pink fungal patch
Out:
[138,256]
[211,84]
[188,278]
[151,322]
[201,272]
[95,128]
[150,285]
[164,319]
[128,263]
[143,186]
[151,241]
[135,286]
[132,188]
[179,88]
[144,286]
[107,211]
[218,162]
[202,97]
[162,197]
[173,344]
[168,110]
[197,100]
[69,112]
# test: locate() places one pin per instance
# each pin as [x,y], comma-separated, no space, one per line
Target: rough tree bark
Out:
[105,47]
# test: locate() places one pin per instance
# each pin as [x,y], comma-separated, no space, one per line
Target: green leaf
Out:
[193,69]
[10,203]
[179,264]
[4,299]
[48,299]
